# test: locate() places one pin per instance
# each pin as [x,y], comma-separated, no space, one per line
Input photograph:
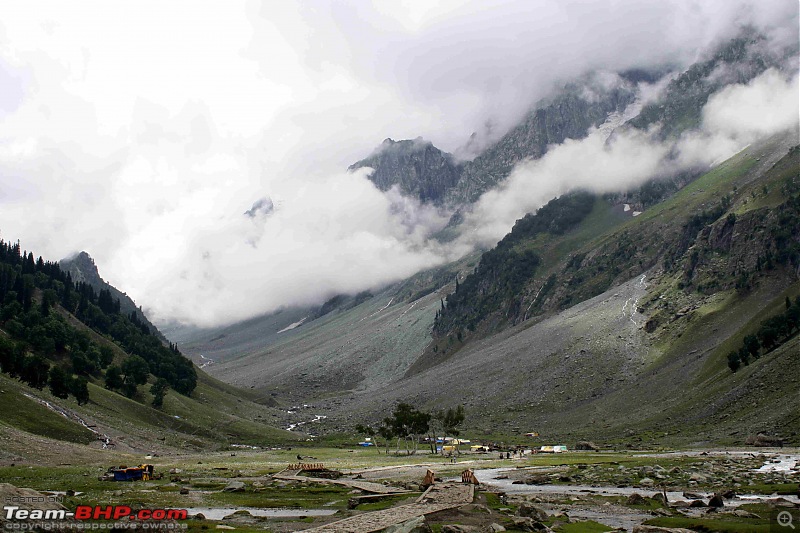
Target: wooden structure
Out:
[306,466]
[468,476]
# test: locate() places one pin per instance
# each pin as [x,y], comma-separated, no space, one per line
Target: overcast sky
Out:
[141,132]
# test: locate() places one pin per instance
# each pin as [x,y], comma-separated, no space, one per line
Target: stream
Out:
[490,477]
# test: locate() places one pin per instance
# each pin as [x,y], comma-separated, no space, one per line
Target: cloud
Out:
[339,235]
[733,118]
[142,133]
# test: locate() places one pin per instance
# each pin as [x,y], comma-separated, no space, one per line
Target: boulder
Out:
[452,528]
[526,524]
[692,496]
[586,445]
[531,511]
[415,525]
[234,486]
[716,501]
[646,482]
[495,528]
[659,497]
[698,478]
[636,499]
[184,490]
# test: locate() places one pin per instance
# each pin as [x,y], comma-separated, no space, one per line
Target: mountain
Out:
[737,61]
[77,370]
[82,268]
[419,169]
[569,115]
[620,334]
[625,316]
[423,171]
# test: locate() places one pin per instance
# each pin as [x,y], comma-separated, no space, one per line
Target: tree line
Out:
[42,349]
[410,425]
[502,273]
[772,333]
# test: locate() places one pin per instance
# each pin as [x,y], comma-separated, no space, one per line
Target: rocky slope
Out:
[569,115]
[423,171]
[598,316]
[82,268]
[737,61]
[645,347]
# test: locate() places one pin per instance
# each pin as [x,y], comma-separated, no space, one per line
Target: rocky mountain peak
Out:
[416,166]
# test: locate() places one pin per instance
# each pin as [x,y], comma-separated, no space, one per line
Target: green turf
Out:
[26,414]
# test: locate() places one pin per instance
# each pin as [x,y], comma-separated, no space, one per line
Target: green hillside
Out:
[75,369]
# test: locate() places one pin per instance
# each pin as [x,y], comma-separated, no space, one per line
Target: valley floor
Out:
[568,492]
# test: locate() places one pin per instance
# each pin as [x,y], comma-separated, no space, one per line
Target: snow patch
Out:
[294,325]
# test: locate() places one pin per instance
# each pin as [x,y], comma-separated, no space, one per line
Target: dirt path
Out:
[436,498]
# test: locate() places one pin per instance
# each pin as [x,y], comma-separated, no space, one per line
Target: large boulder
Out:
[636,499]
[415,525]
[529,524]
[716,501]
[586,445]
[531,511]
[452,528]
[234,486]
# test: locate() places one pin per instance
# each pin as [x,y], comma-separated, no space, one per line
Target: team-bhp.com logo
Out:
[122,515]
[97,512]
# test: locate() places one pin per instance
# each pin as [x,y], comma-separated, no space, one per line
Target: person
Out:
[508,455]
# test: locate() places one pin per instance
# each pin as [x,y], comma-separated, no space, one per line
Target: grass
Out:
[21,412]
[306,496]
[728,524]
[588,526]
[718,359]
[387,502]
[781,489]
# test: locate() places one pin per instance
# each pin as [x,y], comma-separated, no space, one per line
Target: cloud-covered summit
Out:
[143,133]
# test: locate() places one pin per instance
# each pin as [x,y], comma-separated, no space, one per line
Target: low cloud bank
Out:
[195,150]
[733,118]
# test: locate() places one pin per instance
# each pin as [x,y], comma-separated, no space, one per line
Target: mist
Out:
[733,118]
[144,134]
